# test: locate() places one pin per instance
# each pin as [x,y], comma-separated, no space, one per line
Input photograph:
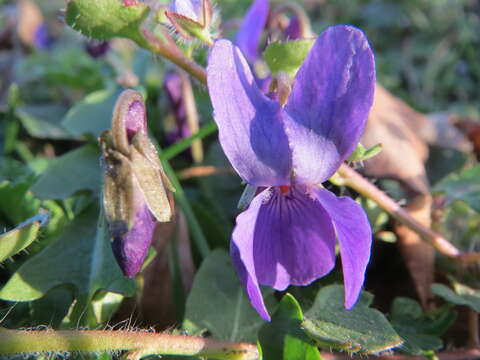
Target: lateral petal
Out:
[241,251]
[250,124]
[330,102]
[355,238]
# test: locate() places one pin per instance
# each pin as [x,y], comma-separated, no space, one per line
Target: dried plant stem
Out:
[192,117]
[353,179]
[201,171]
[138,342]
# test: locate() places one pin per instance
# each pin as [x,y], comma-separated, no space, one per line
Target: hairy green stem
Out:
[140,343]
[172,52]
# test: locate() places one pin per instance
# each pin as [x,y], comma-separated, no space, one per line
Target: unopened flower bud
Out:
[192,19]
[136,191]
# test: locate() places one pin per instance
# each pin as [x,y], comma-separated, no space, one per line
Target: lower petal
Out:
[294,240]
[281,240]
[355,238]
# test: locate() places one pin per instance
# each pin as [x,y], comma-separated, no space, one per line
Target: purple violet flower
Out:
[288,233]
[173,88]
[42,39]
[97,49]
[248,37]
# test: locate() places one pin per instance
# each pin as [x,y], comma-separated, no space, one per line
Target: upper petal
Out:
[330,102]
[355,238]
[282,240]
[248,37]
[250,124]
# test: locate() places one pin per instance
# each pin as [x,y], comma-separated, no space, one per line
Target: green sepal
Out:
[362,153]
[287,57]
[188,28]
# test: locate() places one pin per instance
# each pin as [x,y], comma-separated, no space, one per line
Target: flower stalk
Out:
[354,180]
[140,343]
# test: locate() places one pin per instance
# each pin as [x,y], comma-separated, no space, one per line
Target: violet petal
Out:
[248,37]
[131,249]
[241,251]
[250,124]
[188,8]
[355,238]
[136,119]
[173,89]
[330,102]
[282,240]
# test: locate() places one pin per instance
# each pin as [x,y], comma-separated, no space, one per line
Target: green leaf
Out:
[106,19]
[17,202]
[465,186]
[463,295]
[287,57]
[414,327]
[92,115]
[81,257]
[43,121]
[360,329]
[77,170]
[216,286]
[14,241]
[283,337]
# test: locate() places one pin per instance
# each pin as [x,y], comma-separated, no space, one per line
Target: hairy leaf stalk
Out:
[140,343]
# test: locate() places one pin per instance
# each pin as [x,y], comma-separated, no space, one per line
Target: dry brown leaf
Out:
[29,19]
[419,255]
[440,131]
[392,124]
[397,126]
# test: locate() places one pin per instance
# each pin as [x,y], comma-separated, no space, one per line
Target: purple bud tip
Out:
[96,50]
[293,30]
[135,120]
[131,249]
[42,38]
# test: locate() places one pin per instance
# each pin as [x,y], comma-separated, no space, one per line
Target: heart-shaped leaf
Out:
[360,329]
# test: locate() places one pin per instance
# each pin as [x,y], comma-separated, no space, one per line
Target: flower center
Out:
[284,189]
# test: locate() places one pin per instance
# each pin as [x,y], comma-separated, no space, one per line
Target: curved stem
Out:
[357,182]
[171,51]
[140,343]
